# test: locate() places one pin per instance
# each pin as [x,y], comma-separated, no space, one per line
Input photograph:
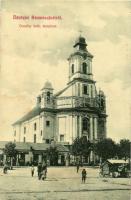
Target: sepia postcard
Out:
[65,86]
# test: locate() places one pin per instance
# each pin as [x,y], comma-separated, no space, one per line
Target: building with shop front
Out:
[75,111]
[28,153]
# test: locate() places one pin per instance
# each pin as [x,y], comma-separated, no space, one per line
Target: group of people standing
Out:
[41,170]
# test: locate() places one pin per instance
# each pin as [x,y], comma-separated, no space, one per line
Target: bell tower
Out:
[47,95]
[80,61]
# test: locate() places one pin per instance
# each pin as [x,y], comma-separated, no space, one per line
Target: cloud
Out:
[112,60]
[118,109]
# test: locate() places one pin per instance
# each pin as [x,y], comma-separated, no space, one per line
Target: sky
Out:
[31,56]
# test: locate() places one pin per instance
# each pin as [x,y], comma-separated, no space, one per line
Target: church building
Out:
[77,110]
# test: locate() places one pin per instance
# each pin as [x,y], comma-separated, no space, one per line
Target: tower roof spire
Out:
[80,42]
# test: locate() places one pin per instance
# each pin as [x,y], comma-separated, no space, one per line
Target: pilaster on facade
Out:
[91,129]
[95,128]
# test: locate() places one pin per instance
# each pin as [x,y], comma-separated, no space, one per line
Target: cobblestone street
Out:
[61,184]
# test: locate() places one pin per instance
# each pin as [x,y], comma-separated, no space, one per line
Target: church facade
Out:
[77,110]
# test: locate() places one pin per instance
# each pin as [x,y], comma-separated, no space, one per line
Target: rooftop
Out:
[117,161]
[25,147]
[34,112]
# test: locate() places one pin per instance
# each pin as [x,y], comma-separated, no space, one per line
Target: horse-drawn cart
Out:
[114,168]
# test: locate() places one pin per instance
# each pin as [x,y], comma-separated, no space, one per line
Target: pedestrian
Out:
[44,171]
[5,168]
[77,167]
[32,170]
[83,175]
[39,170]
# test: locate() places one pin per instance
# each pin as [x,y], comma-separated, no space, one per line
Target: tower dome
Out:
[47,85]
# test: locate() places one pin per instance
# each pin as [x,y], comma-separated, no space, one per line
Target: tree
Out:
[105,148]
[125,146]
[81,147]
[10,152]
[118,151]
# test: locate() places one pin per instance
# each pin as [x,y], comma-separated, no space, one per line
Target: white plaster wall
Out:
[80,126]
[31,131]
[95,128]
[49,131]
[77,61]
[67,126]
[29,135]
[68,131]
[61,126]
[92,90]
[79,75]
[72,128]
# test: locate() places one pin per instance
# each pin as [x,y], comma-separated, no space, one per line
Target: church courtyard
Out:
[62,183]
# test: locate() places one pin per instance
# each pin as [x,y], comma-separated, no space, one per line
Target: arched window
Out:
[24,130]
[72,68]
[24,139]
[34,138]
[86,125]
[84,66]
[48,97]
[35,126]
[47,123]
[92,88]
[85,89]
